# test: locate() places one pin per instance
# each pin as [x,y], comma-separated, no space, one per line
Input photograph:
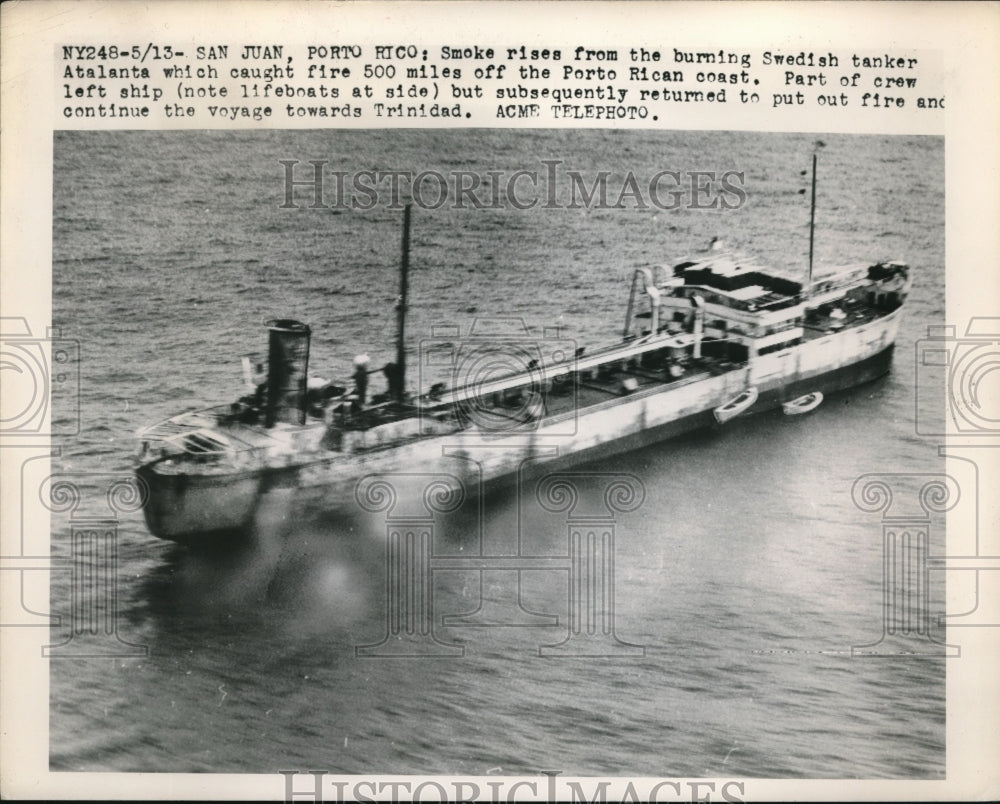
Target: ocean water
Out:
[747,574]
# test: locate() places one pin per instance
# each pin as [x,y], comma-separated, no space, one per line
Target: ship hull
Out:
[205,508]
[841,379]
[195,509]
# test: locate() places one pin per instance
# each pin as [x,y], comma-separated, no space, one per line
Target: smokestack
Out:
[287,370]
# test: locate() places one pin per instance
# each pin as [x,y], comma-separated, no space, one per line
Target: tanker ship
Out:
[706,341]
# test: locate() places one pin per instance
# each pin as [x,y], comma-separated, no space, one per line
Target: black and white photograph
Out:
[662,373]
[604,460]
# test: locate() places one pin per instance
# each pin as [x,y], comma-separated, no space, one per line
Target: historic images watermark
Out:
[320,785]
[411,504]
[957,386]
[509,377]
[35,372]
[41,378]
[85,510]
[91,505]
[957,400]
[33,369]
[312,184]
[909,504]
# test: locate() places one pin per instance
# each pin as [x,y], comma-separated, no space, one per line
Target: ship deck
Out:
[624,370]
[821,322]
[628,380]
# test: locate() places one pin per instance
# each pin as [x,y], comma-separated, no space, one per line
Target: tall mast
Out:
[404,287]
[812,222]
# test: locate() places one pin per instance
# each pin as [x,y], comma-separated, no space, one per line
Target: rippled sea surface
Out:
[747,575]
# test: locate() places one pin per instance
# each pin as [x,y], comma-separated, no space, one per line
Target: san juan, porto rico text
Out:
[407,81]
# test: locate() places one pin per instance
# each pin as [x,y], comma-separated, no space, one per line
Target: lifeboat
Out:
[803,404]
[735,406]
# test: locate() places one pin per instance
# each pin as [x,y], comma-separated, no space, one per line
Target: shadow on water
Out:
[310,575]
